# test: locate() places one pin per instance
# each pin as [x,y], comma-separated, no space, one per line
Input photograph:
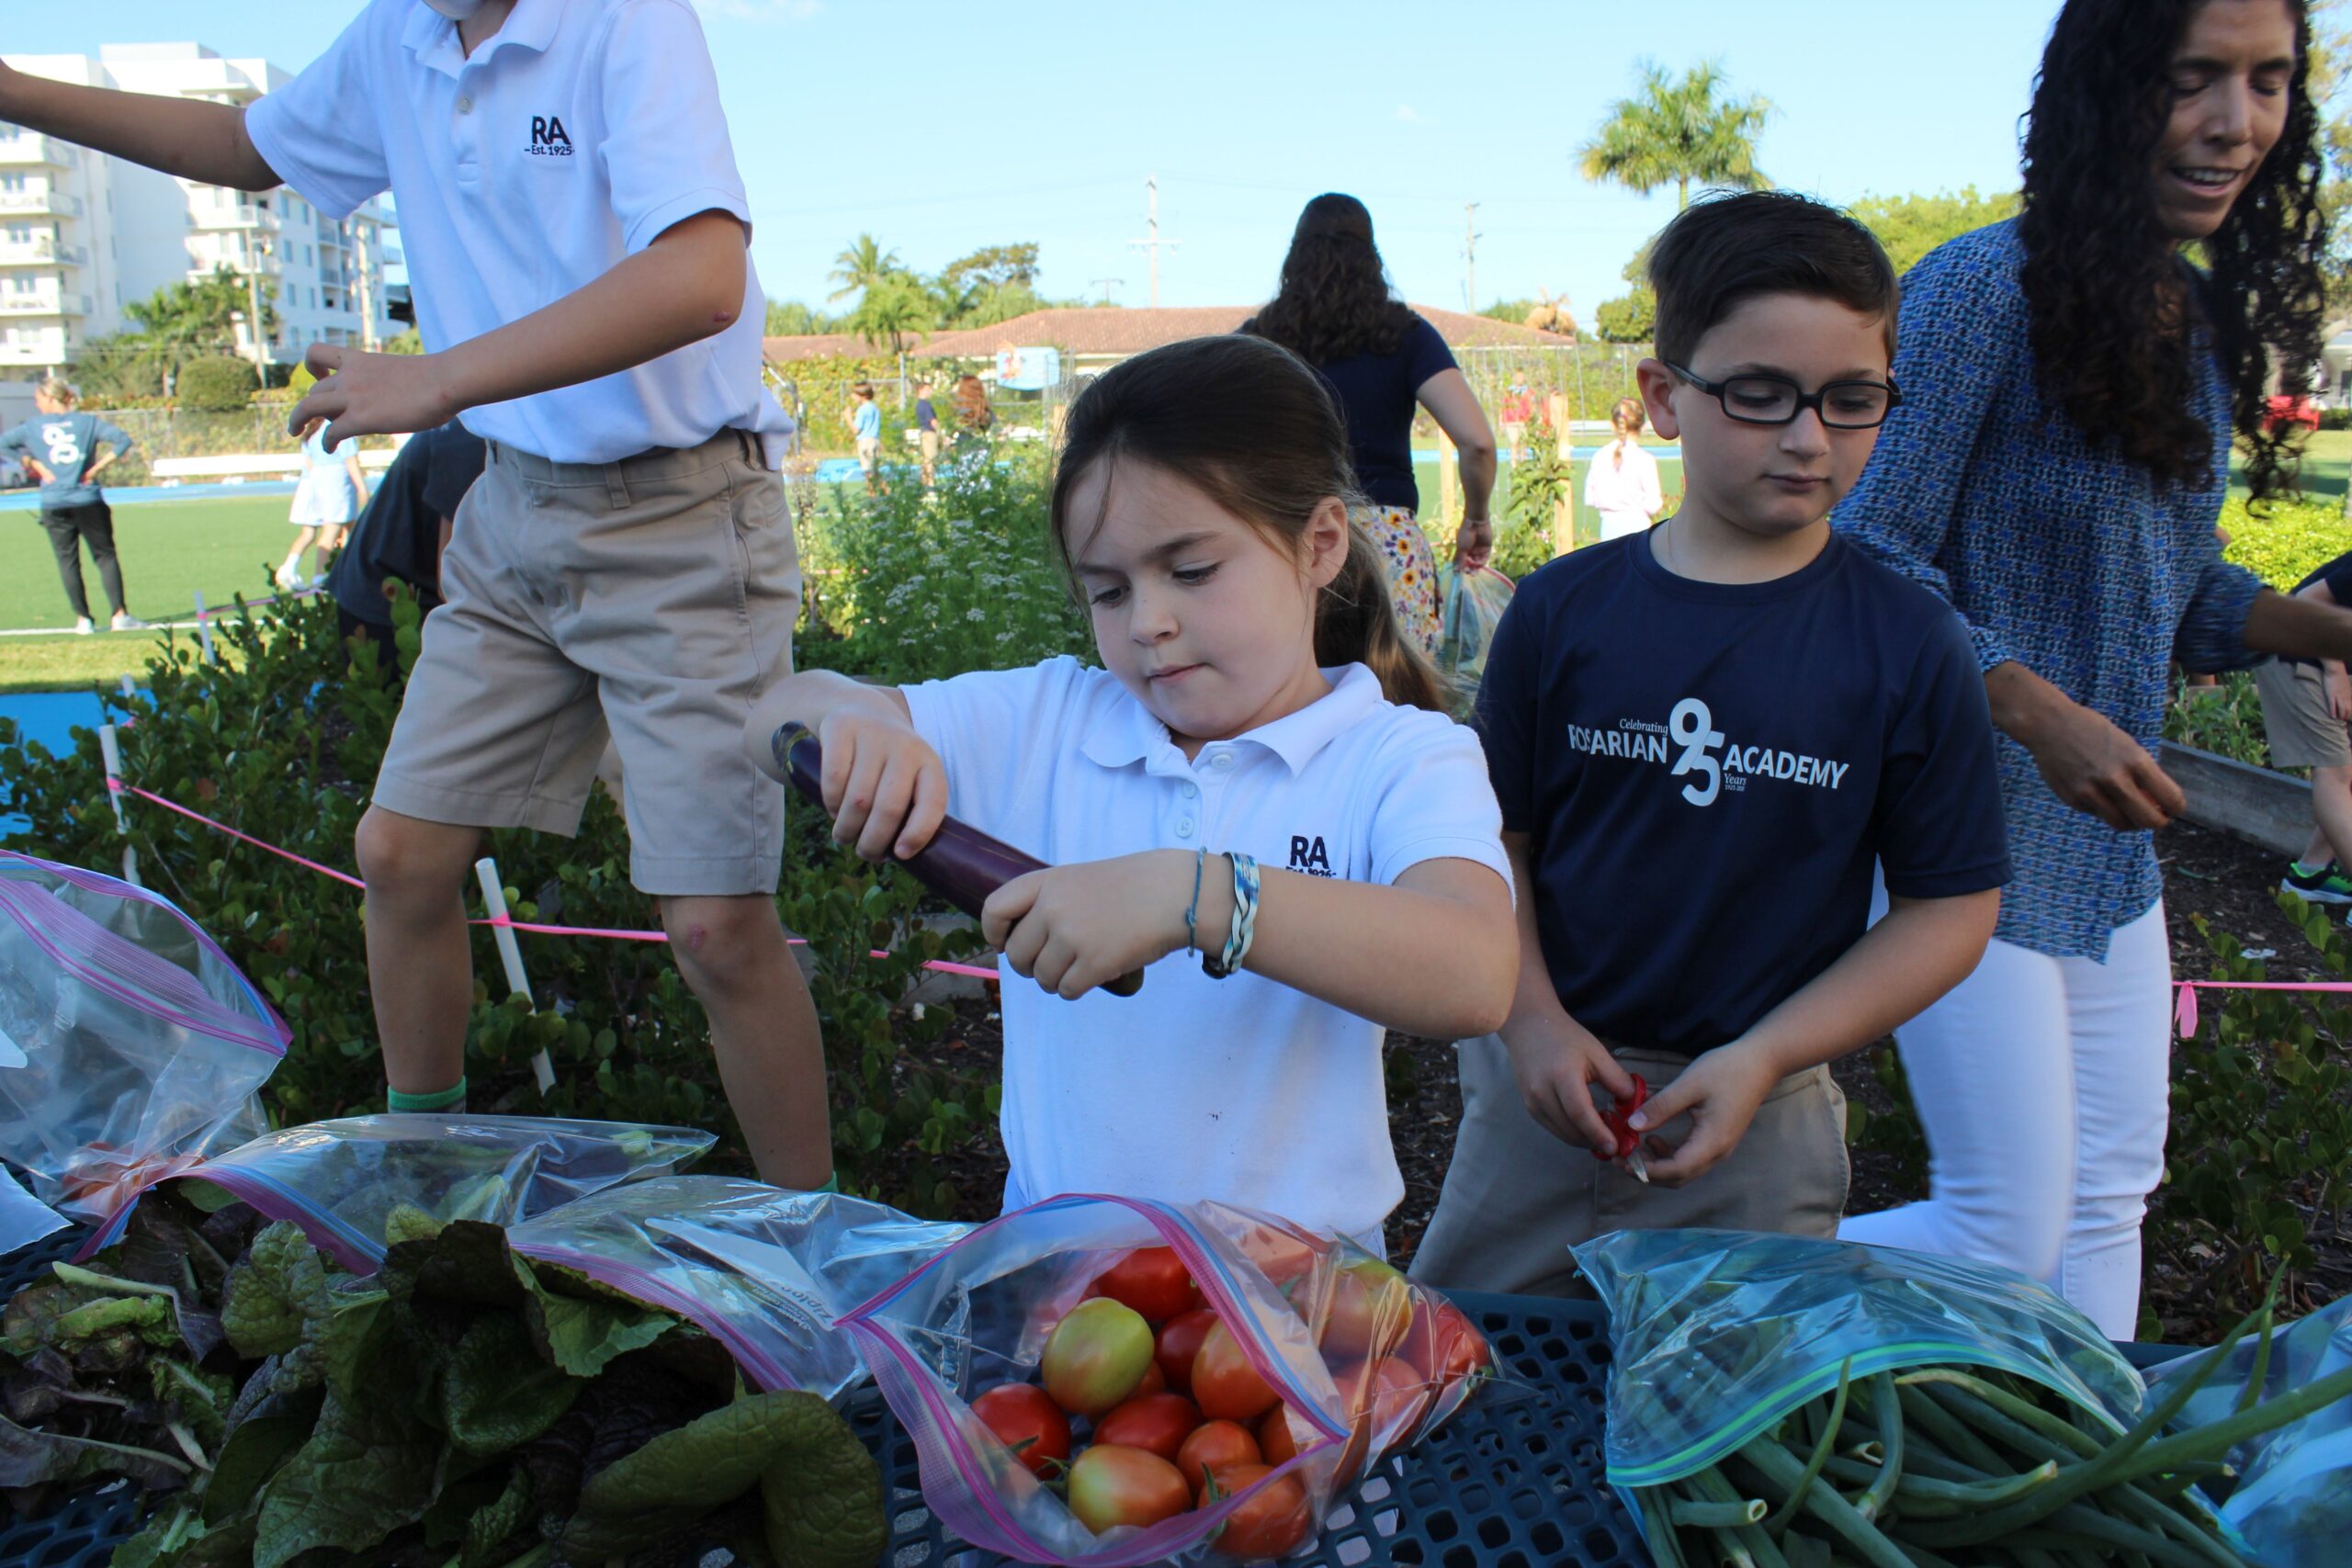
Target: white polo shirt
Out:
[1240,1089]
[572,138]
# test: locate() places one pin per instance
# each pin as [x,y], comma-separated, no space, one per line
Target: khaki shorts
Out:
[2303,734]
[1517,1198]
[928,441]
[869,452]
[651,599]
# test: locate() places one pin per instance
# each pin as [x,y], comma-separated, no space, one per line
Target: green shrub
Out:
[914,585]
[2224,719]
[2287,541]
[283,748]
[218,385]
[2261,1124]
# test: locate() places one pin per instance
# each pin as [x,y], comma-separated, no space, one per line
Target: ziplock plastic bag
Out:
[2293,1502]
[24,1219]
[979,1314]
[129,1045]
[1475,599]
[340,1180]
[1716,1335]
[765,1272]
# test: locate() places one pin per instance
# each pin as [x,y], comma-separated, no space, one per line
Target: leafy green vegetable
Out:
[409,1222]
[822,1495]
[497,1522]
[680,1476]
[251,1456]
[29,1457]
[273,1293]
[498,1393]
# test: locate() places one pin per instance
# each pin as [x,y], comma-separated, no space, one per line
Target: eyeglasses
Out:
[1776,399]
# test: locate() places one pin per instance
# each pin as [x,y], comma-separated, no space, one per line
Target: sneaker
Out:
[84,626]
[126,622]
[2328,885]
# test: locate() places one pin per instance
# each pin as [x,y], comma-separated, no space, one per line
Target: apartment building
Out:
[83,234]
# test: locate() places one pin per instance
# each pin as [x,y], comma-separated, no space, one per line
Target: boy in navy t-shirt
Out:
[1704,737]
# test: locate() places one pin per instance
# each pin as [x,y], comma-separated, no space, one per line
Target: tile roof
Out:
[1083,332]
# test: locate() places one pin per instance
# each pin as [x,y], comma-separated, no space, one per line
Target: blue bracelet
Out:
[1191,938]
[1244,927]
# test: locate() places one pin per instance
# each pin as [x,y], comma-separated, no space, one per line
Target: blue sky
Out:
[941,126]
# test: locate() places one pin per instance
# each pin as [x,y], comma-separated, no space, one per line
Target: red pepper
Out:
[1627,1139]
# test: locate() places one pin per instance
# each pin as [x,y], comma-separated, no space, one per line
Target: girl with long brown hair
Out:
[1254,799]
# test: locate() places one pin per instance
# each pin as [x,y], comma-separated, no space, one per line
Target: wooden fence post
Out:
[1564,508]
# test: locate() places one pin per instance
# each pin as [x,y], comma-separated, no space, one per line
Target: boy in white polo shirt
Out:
[576,227]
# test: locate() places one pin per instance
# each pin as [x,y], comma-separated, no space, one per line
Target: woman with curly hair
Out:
[1335,309]
[2072,385]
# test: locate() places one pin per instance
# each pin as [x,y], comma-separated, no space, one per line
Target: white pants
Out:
[1618,524]
[2043,1085]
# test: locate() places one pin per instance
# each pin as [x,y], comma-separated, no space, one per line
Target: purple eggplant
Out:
[961,863]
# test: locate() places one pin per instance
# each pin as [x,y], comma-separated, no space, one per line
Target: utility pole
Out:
[1105,284]
[253,303]
[1470,251]
[1152,245]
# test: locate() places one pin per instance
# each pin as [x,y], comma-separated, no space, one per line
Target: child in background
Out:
[927,434]
[866,422]
[2304,710]
[577,231]
[61,448]
[1256,705]
[327,499]
[1622,483]
[1704,737]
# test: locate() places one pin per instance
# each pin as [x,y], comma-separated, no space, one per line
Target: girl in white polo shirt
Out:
[1258,799]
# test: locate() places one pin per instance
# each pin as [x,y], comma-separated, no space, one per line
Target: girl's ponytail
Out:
[1356,623]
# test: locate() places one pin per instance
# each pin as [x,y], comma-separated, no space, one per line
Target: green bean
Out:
[1657,1526]
[1744,1542]
[2175,1483]
[1925,1415]
[1805,1550]
[2221,1437]
[1827,1442]
[1886,1406]
[2261,1375]
[1694,1514]
[2022,1411]
[1781,1469]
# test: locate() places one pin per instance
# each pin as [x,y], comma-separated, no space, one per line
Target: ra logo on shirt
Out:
[1308,854]
[548,138]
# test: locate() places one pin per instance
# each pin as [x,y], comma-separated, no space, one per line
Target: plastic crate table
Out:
[1513,1481]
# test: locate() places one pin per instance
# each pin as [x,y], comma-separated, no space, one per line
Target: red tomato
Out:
[1154,1382]
[1280,1434]
[1370,1305]
[1111,1485]
[1180,1341]
[1454,1348]
[1152,1280]
[1216,1447]
[1281,1255]
[1227,1387]
[1028,1423]
[1156,1423]
[1267,1525]
[1396,1396]
[1095,1357]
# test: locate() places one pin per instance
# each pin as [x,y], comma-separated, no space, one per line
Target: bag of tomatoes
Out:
[1111,1380]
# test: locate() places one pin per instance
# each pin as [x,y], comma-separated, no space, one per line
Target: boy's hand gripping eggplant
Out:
[961,863]
[1629,1143]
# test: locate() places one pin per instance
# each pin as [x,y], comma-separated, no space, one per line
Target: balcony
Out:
[45,251]
[228,215]
[41,201]
[43,302]
[27,148]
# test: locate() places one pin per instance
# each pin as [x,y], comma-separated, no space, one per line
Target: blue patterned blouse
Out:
[2072,561]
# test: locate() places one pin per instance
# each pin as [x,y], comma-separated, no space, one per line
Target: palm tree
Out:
[1679,131]
[863,265]
[894,307]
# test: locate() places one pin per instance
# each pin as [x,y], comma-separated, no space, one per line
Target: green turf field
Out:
[170,551]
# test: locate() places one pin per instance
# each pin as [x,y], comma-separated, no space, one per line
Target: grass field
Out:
[171,551]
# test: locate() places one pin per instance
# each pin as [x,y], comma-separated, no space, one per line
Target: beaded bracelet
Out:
[1244,927]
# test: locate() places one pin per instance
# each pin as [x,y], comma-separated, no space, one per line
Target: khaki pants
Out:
[1517,1198]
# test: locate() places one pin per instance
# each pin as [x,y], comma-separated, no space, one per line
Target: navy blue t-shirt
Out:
[398,535]
[1707,771]
[1378,393]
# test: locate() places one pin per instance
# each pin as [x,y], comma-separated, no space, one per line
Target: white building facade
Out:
[83,234]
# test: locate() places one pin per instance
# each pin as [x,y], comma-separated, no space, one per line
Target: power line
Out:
[1105,284]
